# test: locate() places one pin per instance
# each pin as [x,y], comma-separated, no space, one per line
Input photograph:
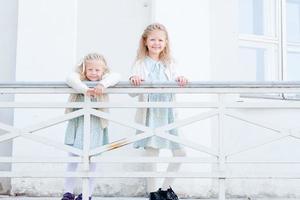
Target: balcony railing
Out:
[221,107]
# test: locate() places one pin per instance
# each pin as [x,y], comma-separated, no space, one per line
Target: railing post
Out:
[221,158]
[86,148]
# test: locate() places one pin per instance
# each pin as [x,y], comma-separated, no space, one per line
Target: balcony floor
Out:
[3,197]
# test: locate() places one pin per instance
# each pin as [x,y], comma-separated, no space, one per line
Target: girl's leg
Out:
[173,167]
[70,181]
[93,167]
[151,182]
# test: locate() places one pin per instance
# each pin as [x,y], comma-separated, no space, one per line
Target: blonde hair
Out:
[165,55]
[80,68]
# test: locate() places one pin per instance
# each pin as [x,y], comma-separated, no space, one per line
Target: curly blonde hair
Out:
[80,68]
[165,55]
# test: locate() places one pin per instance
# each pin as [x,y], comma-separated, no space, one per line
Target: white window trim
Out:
[282,26]
[259,38]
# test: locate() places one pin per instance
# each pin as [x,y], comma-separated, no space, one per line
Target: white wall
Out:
[45,51]
[8,41]
[224,40]
[112,28]
[188,23]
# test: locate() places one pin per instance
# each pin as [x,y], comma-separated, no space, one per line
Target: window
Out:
[292,70]
[269,40]
[259,39]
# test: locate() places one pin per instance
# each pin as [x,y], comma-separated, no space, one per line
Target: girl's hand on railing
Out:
[90,92]
[136,80]
[99,90]
[182,81]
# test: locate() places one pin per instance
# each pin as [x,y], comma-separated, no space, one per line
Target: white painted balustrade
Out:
[228,98]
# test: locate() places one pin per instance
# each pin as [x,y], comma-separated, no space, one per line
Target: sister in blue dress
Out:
[154,64]
[92,68]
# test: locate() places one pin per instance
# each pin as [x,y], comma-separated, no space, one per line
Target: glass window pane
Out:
[293,71]
[293,20]
[258,62]
[252,62]
[257,17]
[293,66]
[250,17]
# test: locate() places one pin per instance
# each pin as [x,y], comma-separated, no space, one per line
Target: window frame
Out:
[279,38]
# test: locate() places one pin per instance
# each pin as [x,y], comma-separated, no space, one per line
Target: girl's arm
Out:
[136,74]
[73,80]
[178,77]
[110,79]
[137,70]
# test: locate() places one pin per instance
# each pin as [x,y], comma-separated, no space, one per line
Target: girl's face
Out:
[156,42]
[94,69]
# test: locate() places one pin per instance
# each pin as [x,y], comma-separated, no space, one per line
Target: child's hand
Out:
[182,81]
[99,89]
[90,92]
[136,80]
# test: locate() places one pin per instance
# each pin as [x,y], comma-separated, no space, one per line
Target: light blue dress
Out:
[157,117]
[74,131]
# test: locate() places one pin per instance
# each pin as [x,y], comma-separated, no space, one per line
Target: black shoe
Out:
[68,196]
[171,195]
[79,197]
[158,195]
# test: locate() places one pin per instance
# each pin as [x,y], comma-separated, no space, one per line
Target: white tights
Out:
[172,167]
[70,181]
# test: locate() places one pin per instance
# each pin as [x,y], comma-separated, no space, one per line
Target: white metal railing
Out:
[221,108]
